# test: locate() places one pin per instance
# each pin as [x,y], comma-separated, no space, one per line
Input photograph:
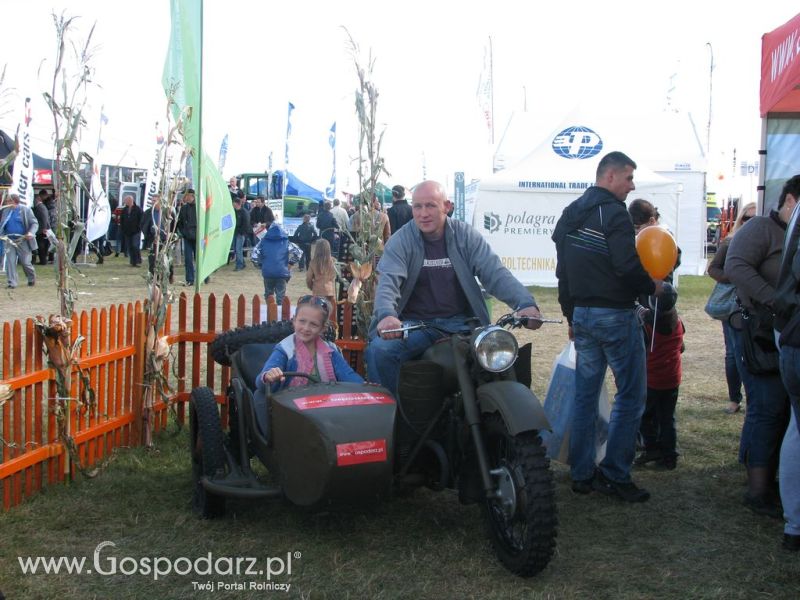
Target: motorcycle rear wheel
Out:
[523,529]
[207,451]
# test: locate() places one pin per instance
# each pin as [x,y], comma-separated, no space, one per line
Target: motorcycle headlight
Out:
[495,348]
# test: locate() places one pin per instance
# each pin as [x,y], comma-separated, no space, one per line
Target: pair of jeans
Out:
[385,357]
[790,375]
[238,250]
[607,337]
[789,477]
[732,375]
[275,286]
[188,259]
[766,417]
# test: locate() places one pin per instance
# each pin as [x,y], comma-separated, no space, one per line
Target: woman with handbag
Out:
[752,265]
[716,270]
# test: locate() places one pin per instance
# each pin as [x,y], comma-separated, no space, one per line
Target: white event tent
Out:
[517,208]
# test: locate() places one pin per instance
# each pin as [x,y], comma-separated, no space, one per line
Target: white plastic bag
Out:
[559,405]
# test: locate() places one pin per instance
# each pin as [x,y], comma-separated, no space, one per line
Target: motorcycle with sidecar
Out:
[465,419]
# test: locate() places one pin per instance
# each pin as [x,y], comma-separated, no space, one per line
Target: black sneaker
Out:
[582,486]
[627,492]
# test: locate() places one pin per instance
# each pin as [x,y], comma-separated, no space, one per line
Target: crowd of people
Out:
[435,268]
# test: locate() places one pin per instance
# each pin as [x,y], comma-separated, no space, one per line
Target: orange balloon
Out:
[657,251]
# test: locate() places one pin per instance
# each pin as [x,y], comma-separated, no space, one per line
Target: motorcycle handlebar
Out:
[510,319]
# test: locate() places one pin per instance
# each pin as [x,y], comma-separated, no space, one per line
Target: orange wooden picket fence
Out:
[113,356]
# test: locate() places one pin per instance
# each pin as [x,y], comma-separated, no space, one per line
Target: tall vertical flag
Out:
[184,66]
[286,155]
[155,170]
[99,217]
[330,191]
[22,181]
[485,93]
[223,153]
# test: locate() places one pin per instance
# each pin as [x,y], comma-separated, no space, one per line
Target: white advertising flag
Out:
[22,181]
[99,217]
[154,172]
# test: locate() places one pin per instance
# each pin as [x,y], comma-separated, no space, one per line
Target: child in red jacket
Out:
[657,428]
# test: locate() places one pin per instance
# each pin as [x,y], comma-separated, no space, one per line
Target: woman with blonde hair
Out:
[321,273]
[716,270]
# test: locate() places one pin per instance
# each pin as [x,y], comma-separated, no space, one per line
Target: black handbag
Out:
[761,356]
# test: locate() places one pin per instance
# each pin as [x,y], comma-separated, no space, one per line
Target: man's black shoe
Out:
[627,492]
[791,542]
[582,486]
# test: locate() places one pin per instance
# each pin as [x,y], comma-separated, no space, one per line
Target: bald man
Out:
[427,273]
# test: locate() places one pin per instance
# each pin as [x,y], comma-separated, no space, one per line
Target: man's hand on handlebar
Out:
[390,323]
[535,320]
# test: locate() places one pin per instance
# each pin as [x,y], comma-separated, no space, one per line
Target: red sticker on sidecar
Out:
[354,453]
[333,400]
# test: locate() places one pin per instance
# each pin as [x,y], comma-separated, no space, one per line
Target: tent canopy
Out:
[780,69]
[517,209]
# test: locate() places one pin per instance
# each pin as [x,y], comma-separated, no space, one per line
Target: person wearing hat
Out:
[400,211]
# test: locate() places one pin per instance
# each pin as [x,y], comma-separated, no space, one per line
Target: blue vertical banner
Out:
[223,153]
[330,191]
[286,156]
[459,210]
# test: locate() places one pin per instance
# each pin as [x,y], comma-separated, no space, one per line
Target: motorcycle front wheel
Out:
[522,518]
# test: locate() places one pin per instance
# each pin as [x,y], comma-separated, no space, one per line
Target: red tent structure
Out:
[780,110]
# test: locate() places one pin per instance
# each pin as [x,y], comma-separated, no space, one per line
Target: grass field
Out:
[693,539]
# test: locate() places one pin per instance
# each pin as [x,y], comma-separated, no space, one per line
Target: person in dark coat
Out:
[131,225]
[304,236]
[400,211]
[43,217]
[328,227]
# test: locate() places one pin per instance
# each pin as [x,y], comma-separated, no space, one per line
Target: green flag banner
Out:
[184,67]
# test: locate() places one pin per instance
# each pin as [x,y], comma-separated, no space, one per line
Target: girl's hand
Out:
[273,375]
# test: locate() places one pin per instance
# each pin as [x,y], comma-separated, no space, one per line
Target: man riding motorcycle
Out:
[427,272]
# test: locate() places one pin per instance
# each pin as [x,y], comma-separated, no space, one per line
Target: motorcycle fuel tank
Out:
[334,443]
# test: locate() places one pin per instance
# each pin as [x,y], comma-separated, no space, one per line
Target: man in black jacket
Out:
[241,231]
[187,228]
[400,211]
[599,278]
[43,217]
[328,227]
[131,225]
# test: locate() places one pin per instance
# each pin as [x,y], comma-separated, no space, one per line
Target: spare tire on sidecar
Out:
[324,443]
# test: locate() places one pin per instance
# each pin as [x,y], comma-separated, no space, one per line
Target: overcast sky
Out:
[547,57]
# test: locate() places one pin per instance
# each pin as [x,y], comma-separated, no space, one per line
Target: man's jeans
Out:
[607,337]
[385,357]
[790,375]
[238,240]
[188,259]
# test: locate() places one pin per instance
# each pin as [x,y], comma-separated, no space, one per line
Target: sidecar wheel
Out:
[207,451]
[522,523]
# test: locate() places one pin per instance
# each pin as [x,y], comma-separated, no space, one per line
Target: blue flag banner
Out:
[330,191]
[223,153]
[288,133]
